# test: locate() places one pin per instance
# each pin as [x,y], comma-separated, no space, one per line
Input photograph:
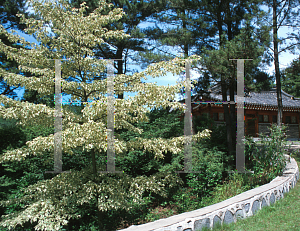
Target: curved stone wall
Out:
[238,207]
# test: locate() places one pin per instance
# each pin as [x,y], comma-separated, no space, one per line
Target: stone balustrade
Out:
[238,207]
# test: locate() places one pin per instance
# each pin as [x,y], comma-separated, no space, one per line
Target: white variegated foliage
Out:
[51,203]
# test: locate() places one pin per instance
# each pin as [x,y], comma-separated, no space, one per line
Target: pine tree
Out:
[52,203]
[227,17]
[284,14]
[180,27]
[291,78]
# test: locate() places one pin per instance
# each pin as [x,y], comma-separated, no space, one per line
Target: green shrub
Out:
[235,185]
[11,135]
[266,158]
[209,163]
[218,135]
[218,140]
[162,124]
[137,163]
[185,200]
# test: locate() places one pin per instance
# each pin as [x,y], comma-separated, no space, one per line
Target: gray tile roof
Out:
[264,98]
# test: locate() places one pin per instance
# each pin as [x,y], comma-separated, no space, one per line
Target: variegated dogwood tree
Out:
[66,33]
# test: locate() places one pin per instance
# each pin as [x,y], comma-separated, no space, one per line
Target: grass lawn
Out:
[283,215]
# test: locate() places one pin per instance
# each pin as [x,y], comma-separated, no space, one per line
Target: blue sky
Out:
[285,59]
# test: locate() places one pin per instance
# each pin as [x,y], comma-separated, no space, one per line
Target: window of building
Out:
[263,118]
[221,116]
[294,121]
[288,119]
[274,119]
[215,116]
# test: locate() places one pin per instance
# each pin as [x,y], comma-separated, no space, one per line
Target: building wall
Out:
[293,131]
[263,117]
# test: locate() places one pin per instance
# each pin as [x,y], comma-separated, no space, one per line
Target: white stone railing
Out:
[238,207]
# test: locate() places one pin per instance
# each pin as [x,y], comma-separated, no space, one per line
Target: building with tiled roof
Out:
[260,110]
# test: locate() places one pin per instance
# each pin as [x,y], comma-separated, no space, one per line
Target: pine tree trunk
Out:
[276,62]
[186,44]
[120,67]
[227,118]
[224,92]
[232,88]
[233,121]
